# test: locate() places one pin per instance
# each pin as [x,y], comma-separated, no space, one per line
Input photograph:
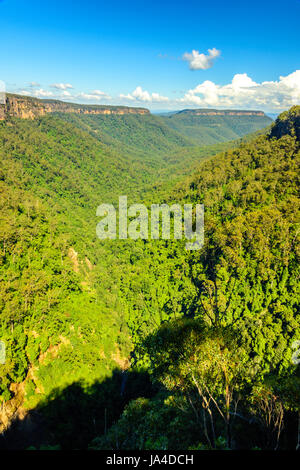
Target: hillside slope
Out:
[251,204]
[61,308]
[143,135]
[208,127]
[136,128]
[74,307]
[219,325]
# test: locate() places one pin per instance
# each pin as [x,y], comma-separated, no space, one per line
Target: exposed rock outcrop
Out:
[221,112]
[26,107]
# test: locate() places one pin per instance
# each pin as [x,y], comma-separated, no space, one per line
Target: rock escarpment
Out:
[26,107]
[221,112]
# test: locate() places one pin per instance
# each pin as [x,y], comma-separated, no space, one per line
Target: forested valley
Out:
[141,344]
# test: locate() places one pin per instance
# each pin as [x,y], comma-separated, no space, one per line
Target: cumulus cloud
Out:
[99,93]
[246,93]
[93,95]
[241,92]
[41,93]
[65,93]
[199,61]
[60,91]
[142,95]
[126,97]
[61,86]
[34,84]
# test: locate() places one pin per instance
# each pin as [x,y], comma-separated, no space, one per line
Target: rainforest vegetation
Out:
[141,344]
[208,129]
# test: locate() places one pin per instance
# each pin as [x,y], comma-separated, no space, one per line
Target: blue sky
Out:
[246,54]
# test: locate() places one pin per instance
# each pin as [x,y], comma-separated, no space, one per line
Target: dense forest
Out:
[141,344]
[207,127]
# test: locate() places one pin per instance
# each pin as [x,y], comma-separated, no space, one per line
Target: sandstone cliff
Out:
[27,107]
[222,112]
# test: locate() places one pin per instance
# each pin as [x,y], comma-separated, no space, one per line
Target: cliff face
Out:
[26,107]
[225,112]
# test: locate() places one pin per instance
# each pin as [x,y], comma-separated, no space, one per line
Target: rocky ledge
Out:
[26,107]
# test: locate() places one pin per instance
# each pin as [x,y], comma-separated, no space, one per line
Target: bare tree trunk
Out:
[228,432]
[205,428]
[212,428]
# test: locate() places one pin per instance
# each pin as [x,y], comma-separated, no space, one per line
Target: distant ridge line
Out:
[28,107]
[220,112]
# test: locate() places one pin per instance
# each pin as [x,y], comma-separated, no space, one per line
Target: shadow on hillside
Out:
[72,417]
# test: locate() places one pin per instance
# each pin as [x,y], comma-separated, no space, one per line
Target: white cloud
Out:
[34,84]
[244,92]
[199,61]
[66,93]
[93,95]
[142,95]
[99,93]
[241,93]
[156,98]
[126,97]
[41,93]
[61,86]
